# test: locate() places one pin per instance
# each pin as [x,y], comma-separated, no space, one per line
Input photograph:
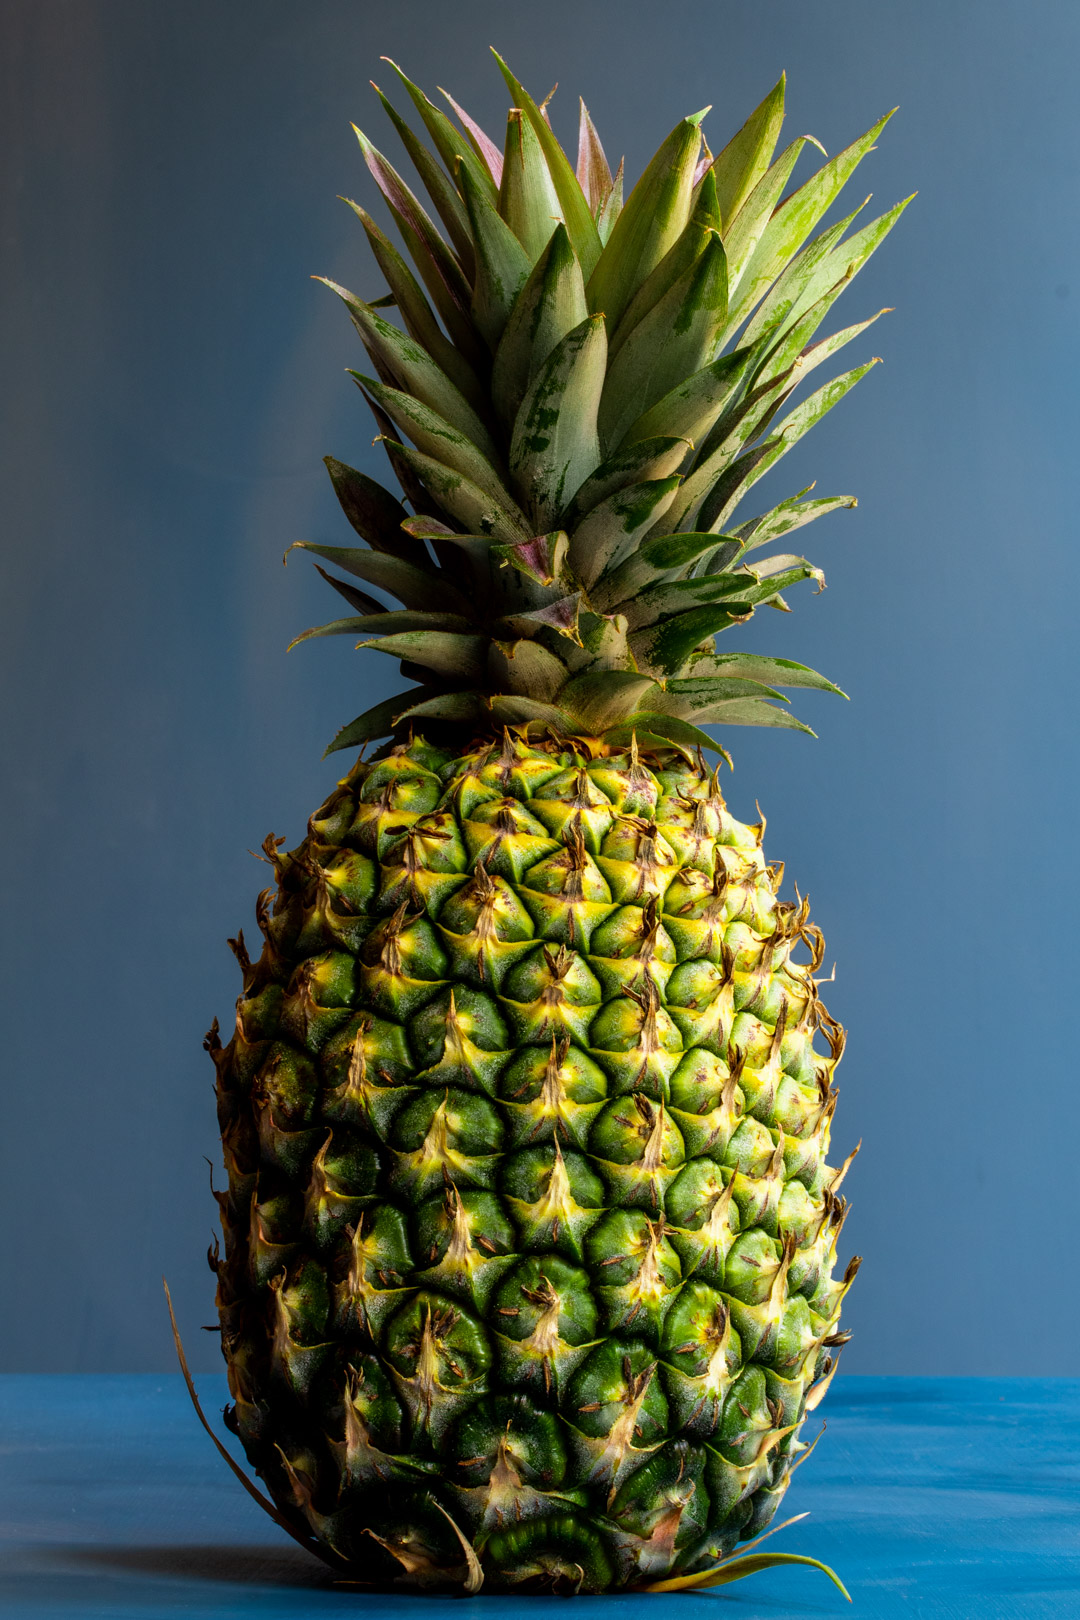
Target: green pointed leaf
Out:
[437,439]
[745,231]
[555,446]
[690,697]
[793,221]
[415,587]
[448,204]
[551,304]
[671,343]
[795,354]
[750,712]
[788,295]
[762,587]
[374,513]
[513,709]
[413,369]
[482,144]
[659,602]
[614,526]
[691,243]
[502,264]
[593,170]
[642,463]
[786,433]
[746,157]
[611,207]
[667,726]
[441,650]
[692,407]
[789,515]
[452,147]
[477,509]
[575,209]
[378,721]
[671,644]
[738,1569]
[439,270]
[527,198]
[708,485]
[526,667]
[358,600]
[599,698]
[650,223]
[651,562]
[385,623]
[453,706]
[416,312]
[752,666]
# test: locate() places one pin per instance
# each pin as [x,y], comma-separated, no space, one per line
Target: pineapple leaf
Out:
[794,425]
[416,312]
[502,264]
[373,511]
[691,242]
[796,217]
[445,651]
[692,696]
[611,207]
[668,727]
[528,201]
[575,208]
[738,1569]
[800,283]
[789,515]
[752,666]
[437,439]
[654,560]
[693,405]
[378,721]
[649,225]
[482,144]
[412,369]
[415,587]
[466,706]
[358,600]
[448,143]
[593,170]
[549,305]
[743,233]
[600,698]
[555,446]
[384,622]
[661,602]
[750,712]
[613,526]
[793,354]
[512,709]
[746,157]
[666,646]
[481,512]
[448,203]
[675,339]
[439,270]
[641,463]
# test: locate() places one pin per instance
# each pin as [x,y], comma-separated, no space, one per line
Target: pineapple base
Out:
[529,1231]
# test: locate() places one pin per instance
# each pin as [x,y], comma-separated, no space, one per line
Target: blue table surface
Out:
[933,1497]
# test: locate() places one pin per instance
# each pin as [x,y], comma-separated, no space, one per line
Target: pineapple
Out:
[530,1232]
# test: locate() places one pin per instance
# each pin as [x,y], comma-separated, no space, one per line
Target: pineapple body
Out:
[529,1231]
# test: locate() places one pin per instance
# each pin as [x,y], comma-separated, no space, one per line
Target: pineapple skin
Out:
[529,1235]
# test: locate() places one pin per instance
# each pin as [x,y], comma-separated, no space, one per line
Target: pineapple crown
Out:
[579,394]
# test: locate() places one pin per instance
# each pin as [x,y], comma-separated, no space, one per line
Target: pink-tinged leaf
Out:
[539,557]
[593,169]
[561,615]
[484,146]
[544,104]
[439,269]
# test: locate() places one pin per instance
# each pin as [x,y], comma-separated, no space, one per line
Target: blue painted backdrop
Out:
[172,381]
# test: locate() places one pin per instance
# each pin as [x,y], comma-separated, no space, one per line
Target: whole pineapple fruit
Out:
[529,1233]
